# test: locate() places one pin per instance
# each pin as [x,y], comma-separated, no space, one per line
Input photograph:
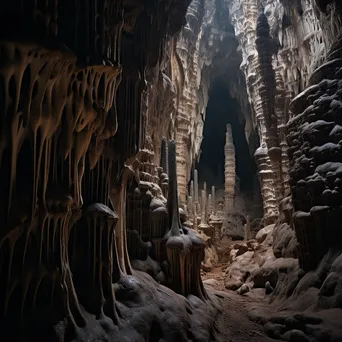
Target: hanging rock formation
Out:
[82,194]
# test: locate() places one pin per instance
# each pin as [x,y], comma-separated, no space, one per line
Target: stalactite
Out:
[73,132]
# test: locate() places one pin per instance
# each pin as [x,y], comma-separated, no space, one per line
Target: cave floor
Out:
[234,322]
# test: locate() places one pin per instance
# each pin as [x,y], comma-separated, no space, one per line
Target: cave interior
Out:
[117,190]
[222,109]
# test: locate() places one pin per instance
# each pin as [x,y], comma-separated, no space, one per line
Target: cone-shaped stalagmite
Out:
[185,252]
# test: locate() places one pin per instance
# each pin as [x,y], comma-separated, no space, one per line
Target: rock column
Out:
[213,203]
[196,202]
[266,184]
[267,91]
[210,208]
[229,151]
[203,211]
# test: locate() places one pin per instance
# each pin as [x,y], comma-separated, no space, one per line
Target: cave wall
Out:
[285,45]
[77,115]
[280,45]
[204,50]
[220,36]
[297,41]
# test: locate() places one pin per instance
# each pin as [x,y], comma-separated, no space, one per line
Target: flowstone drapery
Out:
[75,158]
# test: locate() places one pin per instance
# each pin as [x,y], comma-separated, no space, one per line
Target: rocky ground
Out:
[235,324]
[267,298]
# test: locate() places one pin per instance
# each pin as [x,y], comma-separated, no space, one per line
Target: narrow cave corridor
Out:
[128,215]
[222,109]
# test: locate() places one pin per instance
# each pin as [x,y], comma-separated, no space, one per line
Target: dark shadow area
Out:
[222,109]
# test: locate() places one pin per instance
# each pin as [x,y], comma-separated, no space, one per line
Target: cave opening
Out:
[223,109]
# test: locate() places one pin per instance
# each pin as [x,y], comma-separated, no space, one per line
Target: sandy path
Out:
[234,323]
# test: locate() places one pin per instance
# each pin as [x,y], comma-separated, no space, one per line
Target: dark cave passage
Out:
[222,109]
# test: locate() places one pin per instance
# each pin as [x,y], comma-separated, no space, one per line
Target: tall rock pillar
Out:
[267,92]
[229,170]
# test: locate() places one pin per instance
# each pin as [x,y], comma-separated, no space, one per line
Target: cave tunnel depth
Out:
[222,109]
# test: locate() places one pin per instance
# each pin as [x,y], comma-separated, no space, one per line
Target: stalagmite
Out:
[184,251]
[229,151]
[190,206]
[213,199]
[210,206]
[92,203]
[196,188]
[77,163]
[203,207]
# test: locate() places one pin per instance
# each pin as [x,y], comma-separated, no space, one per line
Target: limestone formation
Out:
[210,206]
[185,249]
[102,108]
[314,145]
[229,152]
[267,96]
[202,49]
[213,199]
[196,189]
[82,192]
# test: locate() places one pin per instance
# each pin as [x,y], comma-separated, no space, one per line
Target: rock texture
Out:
[307,306]
[83,197]
[200,56]
[314,150]
[229,170]
[294,36]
